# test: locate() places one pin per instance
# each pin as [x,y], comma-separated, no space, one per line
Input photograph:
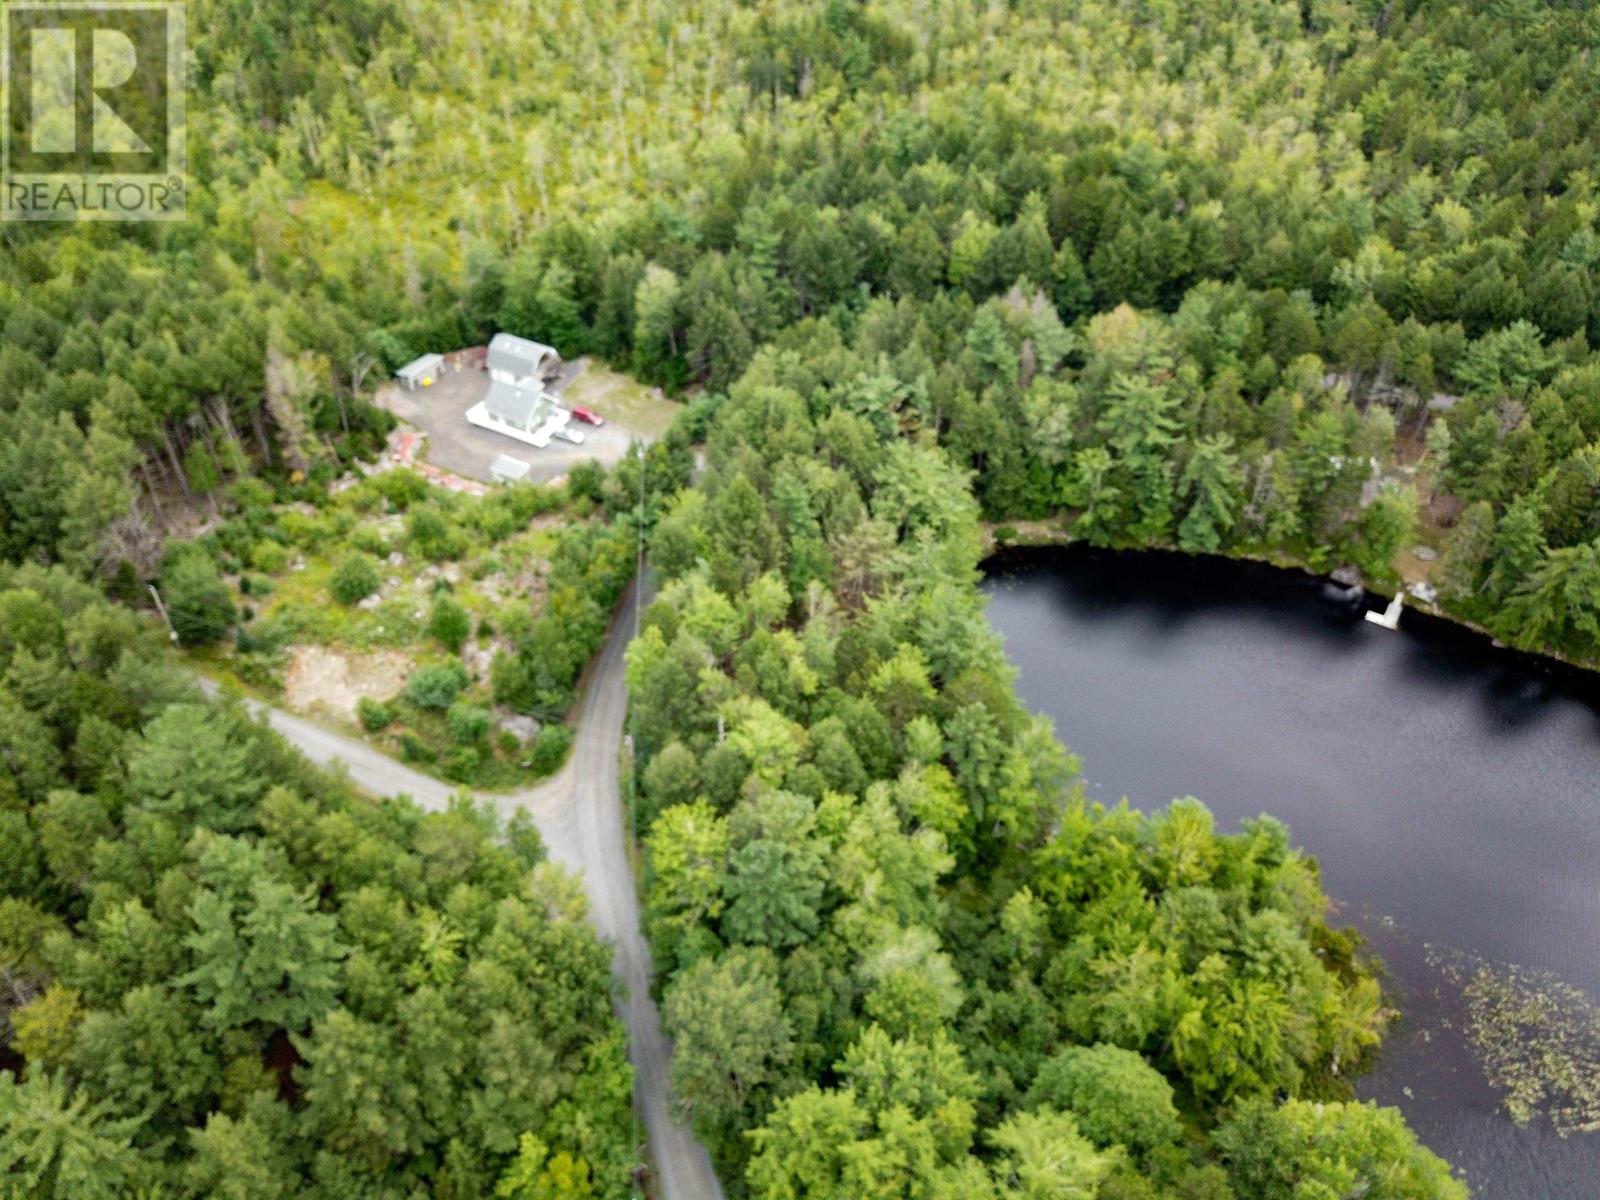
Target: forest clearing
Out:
[384,609]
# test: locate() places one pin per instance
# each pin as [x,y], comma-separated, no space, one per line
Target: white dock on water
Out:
[1389,618]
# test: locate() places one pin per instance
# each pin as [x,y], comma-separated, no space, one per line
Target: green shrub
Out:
[236,535]
[513,683]
[507,511]
[401,489]
[363,498]
[374,714]
[265,637]
[429,533]
[309,532]
[449,624]
[1005,533]
[354,579]
[199,604]
[461,764]
[251,493]
[259,673]
[586,479]
[437,687]
[269,556]
[414,749]
[468,723]
[370,540]
[550,748]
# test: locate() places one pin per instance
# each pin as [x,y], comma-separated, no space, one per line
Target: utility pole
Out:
[632,799]
[638,569]
[162,609]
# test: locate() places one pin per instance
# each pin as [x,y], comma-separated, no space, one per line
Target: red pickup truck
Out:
[588,417]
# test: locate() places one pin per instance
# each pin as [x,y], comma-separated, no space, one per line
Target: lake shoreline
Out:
[1432,623]
[1444,785]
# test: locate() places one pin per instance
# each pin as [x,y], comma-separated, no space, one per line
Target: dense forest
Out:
[1182,276]
[1312,281]
[900,955]
[223,974]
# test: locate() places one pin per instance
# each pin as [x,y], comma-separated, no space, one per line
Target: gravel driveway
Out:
[579,812]
[463,449]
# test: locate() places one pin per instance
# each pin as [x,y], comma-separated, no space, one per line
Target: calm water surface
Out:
[1450,791]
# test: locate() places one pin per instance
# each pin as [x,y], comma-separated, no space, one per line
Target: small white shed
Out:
[506,469]
[420,372]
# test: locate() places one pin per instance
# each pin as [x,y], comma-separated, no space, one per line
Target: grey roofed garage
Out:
[425,367]
[518,357]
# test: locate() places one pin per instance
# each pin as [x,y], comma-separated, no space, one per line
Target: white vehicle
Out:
[568,434]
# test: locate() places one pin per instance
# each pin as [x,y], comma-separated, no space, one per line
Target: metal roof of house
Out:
[513,405]
[508,352]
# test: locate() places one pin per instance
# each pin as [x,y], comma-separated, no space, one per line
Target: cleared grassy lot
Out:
[636,407]
[381,612]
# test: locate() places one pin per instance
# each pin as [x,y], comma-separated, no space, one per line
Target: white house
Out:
[524,413]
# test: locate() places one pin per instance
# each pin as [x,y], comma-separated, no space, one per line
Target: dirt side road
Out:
[580,814]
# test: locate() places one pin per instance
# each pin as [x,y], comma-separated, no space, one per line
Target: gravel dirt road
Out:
[580,813]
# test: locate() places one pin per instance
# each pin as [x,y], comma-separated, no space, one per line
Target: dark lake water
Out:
[1450,791]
